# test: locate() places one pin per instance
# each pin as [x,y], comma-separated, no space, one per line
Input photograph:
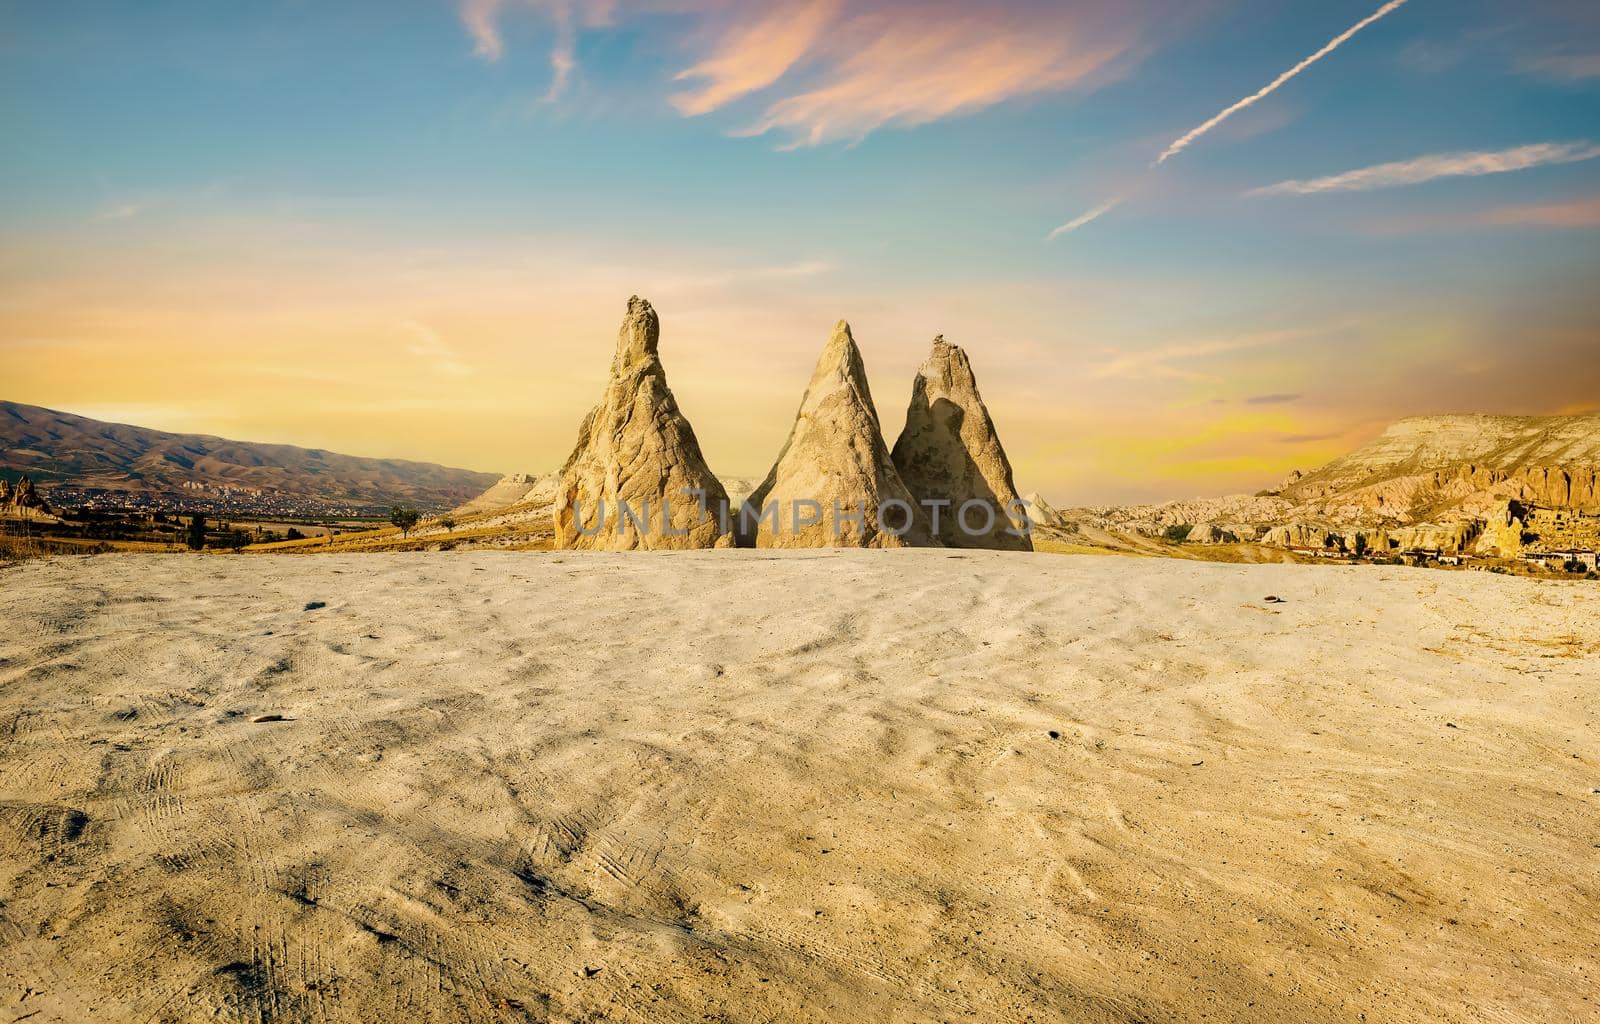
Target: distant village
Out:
[201,498]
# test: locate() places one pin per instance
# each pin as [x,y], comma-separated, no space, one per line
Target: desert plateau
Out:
[907,785]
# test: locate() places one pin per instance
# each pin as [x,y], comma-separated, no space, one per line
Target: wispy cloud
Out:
[1579,213]
[482,21]
[904,64]
[1079,221]
[1568,67]
[1439,165]
[1164,361]
[1569,215]
[754,55]
[122,211]
[1272,399]
[838,70]
[427,345]
[479,18]
[1183,141]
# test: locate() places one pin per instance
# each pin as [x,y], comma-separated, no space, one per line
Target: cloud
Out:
[752,56]
[1078,222]
[1439,165]
[1272,399]
[482,21]
[1183,141]
[1578,213]
[904,64]
[1162,360]
[1569,215]
[427,345]
[479,18]
[1567,67]
[836,70]
[122,211]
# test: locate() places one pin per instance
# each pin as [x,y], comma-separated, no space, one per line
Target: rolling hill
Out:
[78,460]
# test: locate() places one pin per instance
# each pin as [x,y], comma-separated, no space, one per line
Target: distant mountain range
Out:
[81,461]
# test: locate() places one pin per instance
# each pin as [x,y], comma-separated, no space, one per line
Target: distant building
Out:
[1559,559]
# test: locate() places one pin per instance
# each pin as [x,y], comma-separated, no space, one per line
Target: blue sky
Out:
[396,229]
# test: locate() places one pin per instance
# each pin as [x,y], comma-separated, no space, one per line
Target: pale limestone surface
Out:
[849,786]
[637,449]
[835,458]
[949,452]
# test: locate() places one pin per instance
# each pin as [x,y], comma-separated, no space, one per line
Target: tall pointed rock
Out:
[949,453]
[833,484]
[635,449]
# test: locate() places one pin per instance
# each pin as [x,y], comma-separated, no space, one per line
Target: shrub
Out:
[1178,532]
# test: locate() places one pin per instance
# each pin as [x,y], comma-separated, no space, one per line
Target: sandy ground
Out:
[727,786]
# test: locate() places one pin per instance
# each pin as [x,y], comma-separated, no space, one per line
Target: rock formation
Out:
[513,489]
[1042,512]
[636,476]
[1211,533]
[1426,465]
[23,499]
[950,458]
[834,465]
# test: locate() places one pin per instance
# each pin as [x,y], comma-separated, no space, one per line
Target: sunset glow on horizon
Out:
[411,230]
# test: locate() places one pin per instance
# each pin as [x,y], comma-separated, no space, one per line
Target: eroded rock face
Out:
[949,455]
[1429,464]
[23,496]
[637,449]
[1042,512]
[834,464]
[512,489]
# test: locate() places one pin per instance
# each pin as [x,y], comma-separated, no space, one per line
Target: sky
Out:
[1189,247]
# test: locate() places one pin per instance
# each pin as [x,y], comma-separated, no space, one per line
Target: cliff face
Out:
[1490,485]
[1455,483]
[1427,464]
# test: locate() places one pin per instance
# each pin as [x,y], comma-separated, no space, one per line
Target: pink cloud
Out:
[833,70]
[1578,213]
[1574,214]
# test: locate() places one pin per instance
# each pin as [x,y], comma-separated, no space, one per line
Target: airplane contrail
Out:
[1339,40]
[1078,222]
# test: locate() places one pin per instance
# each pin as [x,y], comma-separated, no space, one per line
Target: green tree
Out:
[448,524]
[404,517]
[197,533]
[237,539]
[1178,532]
[1361,544]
